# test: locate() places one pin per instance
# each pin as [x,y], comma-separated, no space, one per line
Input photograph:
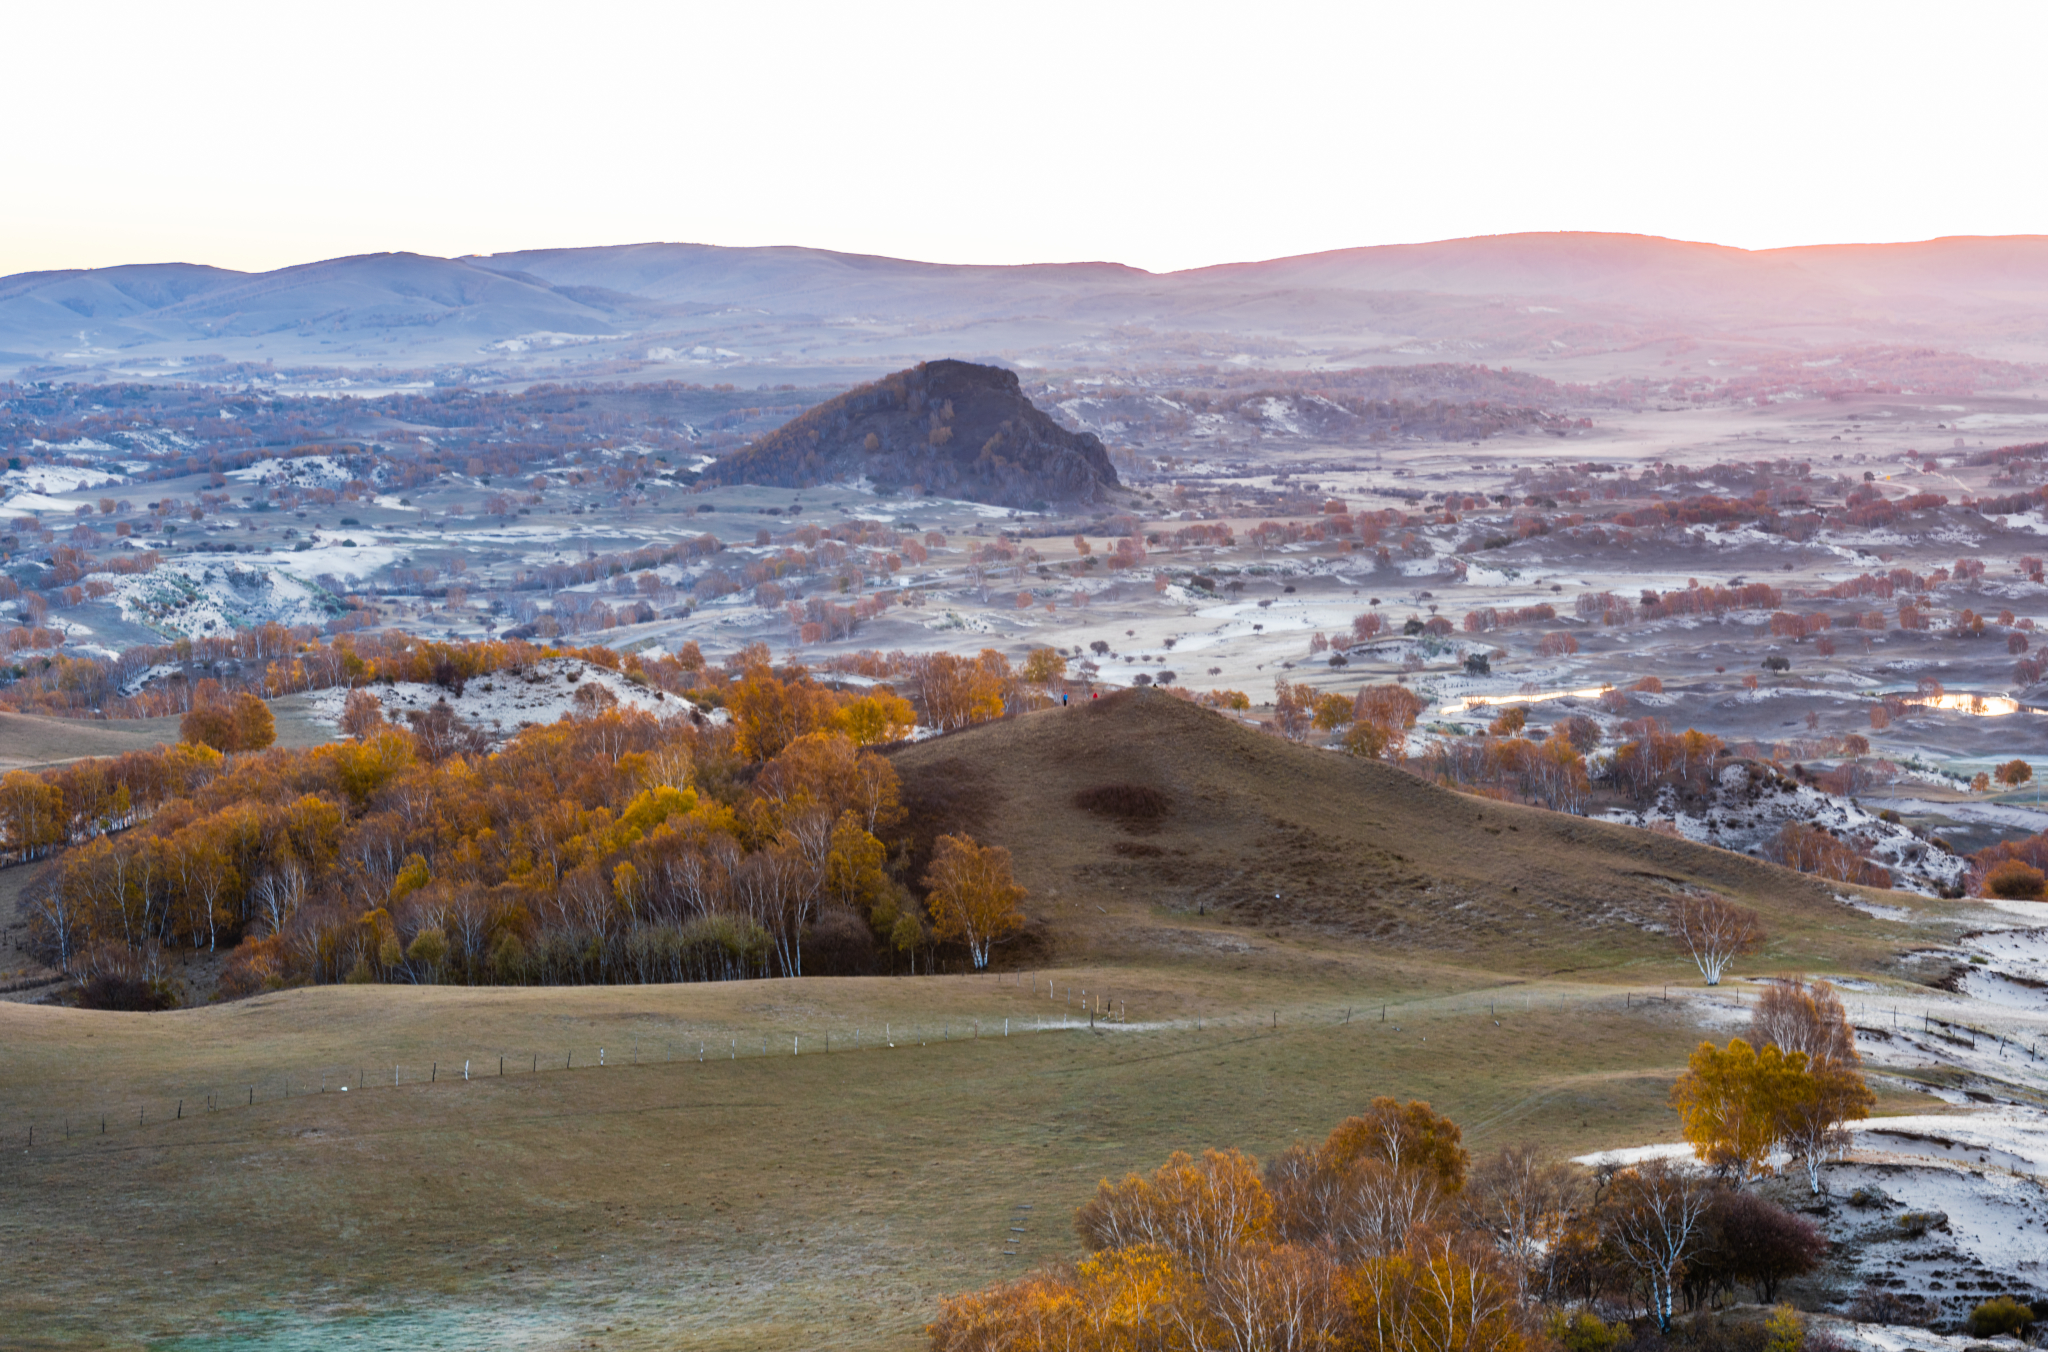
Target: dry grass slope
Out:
[772,1199]
[1265,833]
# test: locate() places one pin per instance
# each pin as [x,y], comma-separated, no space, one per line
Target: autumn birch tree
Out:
[1654,1220]
[973,898]
[1734,1102]
[1810,1020]
[1714,931]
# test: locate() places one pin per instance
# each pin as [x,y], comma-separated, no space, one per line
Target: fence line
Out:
[1078,1010]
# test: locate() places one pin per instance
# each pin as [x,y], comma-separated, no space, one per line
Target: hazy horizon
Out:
[1159,138]
[805,246]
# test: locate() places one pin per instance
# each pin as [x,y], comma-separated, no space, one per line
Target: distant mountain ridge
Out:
[712,307]
[948,427]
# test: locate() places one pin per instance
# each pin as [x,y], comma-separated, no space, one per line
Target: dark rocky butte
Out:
[948,428]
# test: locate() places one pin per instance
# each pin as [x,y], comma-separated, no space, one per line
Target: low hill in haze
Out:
[1235,823]
[761,315]
[945,427]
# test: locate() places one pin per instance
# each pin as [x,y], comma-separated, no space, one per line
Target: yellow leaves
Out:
[1384,713]
[1784,1331]
[825,771]
[1332,711]
[1044,666]
[383,936]
[1141,1297]
[655,812]
[652,808]
[877,717]
[626,888]
[1197,1208]
[313,826]
[1511,721]
[853,866]
[1699,746]
[957,691]
[360,769]
[187,763]
[31,812]
[1189,1258]
[769,714]
[973,898]
[1432,1297]
[1735,1102]
[1410,1136]
[242,723]
[412,876]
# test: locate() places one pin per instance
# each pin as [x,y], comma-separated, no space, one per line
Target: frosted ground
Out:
[423,558]
[1951,1204]
[505,701]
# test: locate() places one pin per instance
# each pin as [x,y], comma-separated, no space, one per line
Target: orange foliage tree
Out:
[1321,1250]
[973,898]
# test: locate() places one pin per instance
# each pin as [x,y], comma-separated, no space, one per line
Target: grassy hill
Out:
[1256,832]
[613,1189]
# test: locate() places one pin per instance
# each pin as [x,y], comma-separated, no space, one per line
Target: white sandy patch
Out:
[301,471]
[345,560]
[505,701]
[1638,1154]
[36,502]
[194,596]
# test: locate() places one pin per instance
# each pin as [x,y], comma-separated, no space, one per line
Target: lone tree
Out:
[1796,1017]
[2014,773]
[240,723]
[1714,931]
[973,898]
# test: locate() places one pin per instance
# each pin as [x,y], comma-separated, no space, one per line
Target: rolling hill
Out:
[1264,833]
[791,308]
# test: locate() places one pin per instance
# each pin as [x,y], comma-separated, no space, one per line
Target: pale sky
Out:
[1163,135]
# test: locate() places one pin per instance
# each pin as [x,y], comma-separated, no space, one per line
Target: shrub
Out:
[1583,1332]
[840,944]
[1759,1243]
[110,990]
[2001,1314]
[2016,880]
[1784,1331]
[1875,1305]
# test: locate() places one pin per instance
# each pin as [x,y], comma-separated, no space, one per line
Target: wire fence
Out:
[55,1125]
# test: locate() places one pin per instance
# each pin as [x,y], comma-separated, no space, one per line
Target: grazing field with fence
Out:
[744,1164]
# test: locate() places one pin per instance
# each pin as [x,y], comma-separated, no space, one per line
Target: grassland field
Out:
[612,1190]
[792,1199]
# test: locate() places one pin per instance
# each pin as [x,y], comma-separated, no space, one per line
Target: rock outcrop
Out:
[948,428]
